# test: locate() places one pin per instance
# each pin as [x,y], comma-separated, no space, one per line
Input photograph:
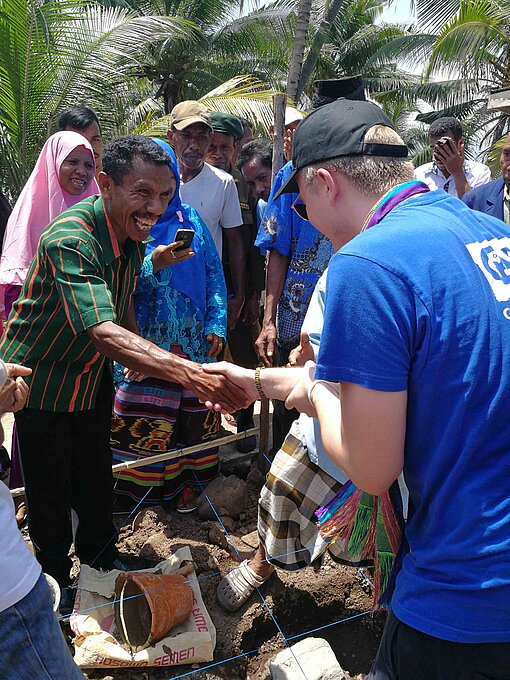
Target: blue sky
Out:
[399,12]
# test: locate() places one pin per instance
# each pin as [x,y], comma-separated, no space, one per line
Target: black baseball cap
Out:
[338,129]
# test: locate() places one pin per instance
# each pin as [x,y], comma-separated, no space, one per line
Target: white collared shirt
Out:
[476,175]
[506,204]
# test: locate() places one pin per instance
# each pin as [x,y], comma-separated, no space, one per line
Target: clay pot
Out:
[147,606]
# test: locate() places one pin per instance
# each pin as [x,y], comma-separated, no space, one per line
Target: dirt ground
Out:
[300,602]
[296,603]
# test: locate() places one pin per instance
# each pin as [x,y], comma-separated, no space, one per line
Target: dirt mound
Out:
[296,604]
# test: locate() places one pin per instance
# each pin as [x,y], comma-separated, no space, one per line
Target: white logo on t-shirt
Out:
[493,258]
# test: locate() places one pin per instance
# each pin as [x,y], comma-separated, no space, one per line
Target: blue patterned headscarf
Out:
[188,276]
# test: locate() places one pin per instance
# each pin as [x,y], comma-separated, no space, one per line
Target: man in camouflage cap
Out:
[227,132]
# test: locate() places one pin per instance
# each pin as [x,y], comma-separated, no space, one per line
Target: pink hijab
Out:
[41,200]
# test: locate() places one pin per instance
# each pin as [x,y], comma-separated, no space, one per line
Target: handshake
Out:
[232,387]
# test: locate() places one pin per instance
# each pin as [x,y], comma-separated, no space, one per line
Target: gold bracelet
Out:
[258,383]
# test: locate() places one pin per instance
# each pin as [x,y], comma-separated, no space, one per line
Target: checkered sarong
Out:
[294,489]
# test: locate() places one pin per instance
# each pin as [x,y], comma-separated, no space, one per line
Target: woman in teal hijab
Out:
[183,309]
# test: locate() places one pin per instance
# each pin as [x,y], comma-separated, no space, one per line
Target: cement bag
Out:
[97,642]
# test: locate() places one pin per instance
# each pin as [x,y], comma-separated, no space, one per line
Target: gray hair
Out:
[369,174]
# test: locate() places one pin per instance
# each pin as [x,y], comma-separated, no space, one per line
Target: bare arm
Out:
[363,430]
[129,323]
[277,383]
[237,264]
[143,356]
[276,271]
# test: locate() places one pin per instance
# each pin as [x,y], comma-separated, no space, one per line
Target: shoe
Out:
[128,563]
[187,500]
[237,586]
[67,597]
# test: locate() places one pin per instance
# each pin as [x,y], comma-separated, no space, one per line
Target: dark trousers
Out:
[282,417]
[407,654]
[67,463]
[241,345]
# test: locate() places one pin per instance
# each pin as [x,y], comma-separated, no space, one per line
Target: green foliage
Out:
[57,54]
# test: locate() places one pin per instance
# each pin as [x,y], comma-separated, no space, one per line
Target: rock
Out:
[217,537]
[316,660]
[229,524]
[255,477]
[228,495]
[157,545]
[251,539]
[150,518]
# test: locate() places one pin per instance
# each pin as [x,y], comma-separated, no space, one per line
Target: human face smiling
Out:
[258,177]
[76,172]
[92,134]
[135,205]
[221,150]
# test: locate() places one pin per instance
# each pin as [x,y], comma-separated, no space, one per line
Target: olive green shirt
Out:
[255,262]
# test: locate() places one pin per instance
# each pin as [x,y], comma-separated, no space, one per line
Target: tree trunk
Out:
[318,41]
[298,51]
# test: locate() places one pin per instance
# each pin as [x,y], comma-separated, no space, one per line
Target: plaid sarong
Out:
[295,488]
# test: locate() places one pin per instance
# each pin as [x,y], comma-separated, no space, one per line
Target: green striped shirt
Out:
[80,277]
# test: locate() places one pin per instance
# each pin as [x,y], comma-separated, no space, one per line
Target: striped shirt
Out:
[80,277]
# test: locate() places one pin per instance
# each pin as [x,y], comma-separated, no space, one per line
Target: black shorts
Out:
[408,654]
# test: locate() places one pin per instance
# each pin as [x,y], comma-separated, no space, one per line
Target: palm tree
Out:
[53,55]
[224,46]
[472,47]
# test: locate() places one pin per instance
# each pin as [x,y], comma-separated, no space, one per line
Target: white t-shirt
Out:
[19,570]
[213,194]
[476,175]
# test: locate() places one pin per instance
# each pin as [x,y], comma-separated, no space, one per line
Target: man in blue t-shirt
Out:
[417,334]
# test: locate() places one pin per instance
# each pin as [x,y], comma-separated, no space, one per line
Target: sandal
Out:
[188,500]
[237,586]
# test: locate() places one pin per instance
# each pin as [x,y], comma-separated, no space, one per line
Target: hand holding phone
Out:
[186,236]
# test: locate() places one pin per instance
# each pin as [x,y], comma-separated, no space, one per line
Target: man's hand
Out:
[287,144]
[216,344]
[14,393]
[447,154]
[251,309]
[243,378]
[265,343]
[298,397]
[135,376]
[213,387]
[165,256]
[302,353]
[235,306]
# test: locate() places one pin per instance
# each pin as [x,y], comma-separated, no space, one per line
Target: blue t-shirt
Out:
[421,302]
[308,251]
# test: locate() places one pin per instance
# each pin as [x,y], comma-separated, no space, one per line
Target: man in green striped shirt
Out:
[72,317]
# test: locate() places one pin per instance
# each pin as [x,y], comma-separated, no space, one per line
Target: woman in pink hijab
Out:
[62,176]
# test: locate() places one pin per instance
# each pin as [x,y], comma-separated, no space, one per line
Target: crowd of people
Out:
[149,285]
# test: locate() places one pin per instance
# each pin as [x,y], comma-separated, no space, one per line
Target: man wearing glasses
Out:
[212,192]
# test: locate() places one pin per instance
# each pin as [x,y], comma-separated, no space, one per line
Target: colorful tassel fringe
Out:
[371,528]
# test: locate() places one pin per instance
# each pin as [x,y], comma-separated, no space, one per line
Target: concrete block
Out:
[315,661]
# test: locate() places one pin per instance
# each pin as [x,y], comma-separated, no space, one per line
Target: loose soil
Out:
[296,603]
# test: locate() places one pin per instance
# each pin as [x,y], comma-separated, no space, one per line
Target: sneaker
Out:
[128,563]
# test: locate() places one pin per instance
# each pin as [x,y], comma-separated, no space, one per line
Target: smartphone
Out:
[185,235]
